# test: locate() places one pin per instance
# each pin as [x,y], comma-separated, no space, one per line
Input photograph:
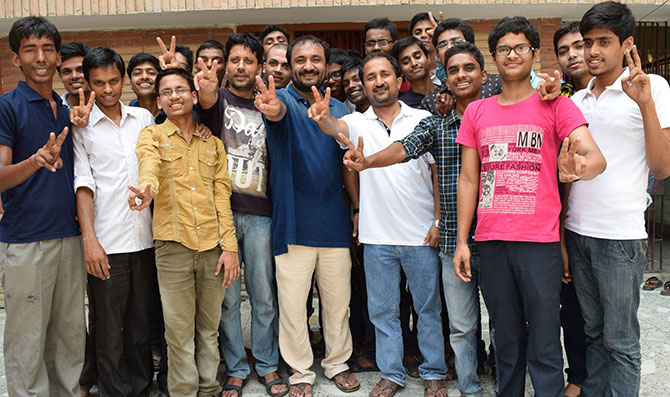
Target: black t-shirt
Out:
[412,99]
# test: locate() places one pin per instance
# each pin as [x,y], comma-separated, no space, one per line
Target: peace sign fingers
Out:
[168,59]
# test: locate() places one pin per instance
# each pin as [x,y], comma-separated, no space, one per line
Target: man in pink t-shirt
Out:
[510,156]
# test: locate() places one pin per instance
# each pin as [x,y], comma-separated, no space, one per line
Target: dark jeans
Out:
[521,284]
[362,330]
[122,327]
[157,329]
[574,338]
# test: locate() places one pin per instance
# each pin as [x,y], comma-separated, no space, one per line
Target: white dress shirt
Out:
[105,162]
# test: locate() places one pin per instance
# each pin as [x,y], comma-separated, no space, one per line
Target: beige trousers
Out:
[45,329]
[332,268]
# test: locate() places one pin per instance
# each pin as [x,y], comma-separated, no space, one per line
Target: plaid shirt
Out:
[438,135]
[567,89]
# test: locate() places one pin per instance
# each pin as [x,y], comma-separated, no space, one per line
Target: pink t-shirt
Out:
[518,148]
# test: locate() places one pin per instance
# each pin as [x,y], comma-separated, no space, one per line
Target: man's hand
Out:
[431,19]
[203,131]
[461,262]
[95,258]
[637,85]
[320,109]
[571,166]
[433,237]
[267,101]
[445,103]
[169,58]
[550,86]
[144,195]
[567,277]
[231,267]
[79,114]
[206,79]
[354,158]
[48,156]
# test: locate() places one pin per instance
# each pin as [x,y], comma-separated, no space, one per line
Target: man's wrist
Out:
[32,164]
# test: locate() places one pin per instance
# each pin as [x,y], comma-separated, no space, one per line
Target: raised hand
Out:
[431,19]
[320,109]
[206,79]
[231,267]
[169,58]
[354,158]
[636,85]
[48,156]
[571,166]
[445,103]
[550,86]
[144,195]
[203,131]
[80,113]
[267,101]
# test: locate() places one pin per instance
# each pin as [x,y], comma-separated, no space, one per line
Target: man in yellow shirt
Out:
[193,232]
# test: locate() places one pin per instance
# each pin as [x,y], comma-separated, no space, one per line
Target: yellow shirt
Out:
[192,185]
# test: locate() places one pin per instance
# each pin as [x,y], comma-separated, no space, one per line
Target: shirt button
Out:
[193,188]
[190,168]
[209,163]
[195,208]
[189,148]
[197,228]
[169,159]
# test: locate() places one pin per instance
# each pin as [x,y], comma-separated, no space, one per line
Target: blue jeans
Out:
[607,276]
[382,275]
[255,251]
[463,307]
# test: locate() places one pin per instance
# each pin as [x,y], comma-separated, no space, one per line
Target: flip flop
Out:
[236,388]
[666,289]
[434,386]
[652,283]
[385,384]
[346,389]
[268,385]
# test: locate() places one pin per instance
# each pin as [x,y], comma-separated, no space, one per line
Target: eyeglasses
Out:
[449,43]
[383,43]
[519,49]
[179,90]
[336,75]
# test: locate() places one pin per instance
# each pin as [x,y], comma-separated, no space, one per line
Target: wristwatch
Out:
[436,223]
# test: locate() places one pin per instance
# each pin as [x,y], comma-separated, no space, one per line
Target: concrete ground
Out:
[655,336]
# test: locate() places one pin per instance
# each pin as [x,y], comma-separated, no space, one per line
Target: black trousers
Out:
[574,338]
[122,326]
[362,330]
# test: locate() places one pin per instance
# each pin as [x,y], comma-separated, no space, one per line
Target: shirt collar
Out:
[299,98]
[404,111]
[615,86]
[453,116]
[97,114]
[171,128]
[31,95]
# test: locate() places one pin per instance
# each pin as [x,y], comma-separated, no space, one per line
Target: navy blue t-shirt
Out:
[305,179]
[43,206]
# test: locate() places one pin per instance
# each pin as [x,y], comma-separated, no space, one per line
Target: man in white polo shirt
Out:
[629,118]
[399,231]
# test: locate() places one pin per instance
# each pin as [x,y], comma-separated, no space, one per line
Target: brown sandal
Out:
[384,385]
[431,387]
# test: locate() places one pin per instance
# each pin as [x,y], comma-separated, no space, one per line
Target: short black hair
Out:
[101,57]
[422,16]
[464,48]
[454,24]
[72,49]
[247,40]
[28,27]
[339,56]
[141,58]
[278,46]
[379,54]
[353,63]
[187,53]
[611,15]
[211,44]
[274,28]
[178,71]
[516,25]
[405,42]
[311,39]
[382,23]
[565,28]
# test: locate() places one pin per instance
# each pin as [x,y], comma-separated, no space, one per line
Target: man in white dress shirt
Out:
[118,245]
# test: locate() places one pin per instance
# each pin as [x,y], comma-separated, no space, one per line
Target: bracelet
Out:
[31,163]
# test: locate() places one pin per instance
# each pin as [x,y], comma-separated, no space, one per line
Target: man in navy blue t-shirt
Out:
[41,249]
[310,222]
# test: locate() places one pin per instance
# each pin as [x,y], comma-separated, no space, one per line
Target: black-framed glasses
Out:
[383,43]
[519,49]
[449,43]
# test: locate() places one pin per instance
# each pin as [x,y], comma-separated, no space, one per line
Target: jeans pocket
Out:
[630,250]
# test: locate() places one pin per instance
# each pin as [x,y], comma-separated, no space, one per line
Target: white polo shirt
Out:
[105,162]
[396,202]
[612,205]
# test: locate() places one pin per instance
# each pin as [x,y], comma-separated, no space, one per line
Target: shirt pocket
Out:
[172,164]
[206,161]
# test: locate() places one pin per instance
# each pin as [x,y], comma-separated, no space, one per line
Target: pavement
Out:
[655,340]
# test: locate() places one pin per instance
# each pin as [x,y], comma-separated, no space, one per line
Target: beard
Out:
[242,86]
[305,87]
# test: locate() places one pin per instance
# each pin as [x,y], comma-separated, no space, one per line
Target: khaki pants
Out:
[332,267]
[191,296]
[45,328]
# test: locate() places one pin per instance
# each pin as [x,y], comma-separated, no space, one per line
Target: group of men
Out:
[453,180]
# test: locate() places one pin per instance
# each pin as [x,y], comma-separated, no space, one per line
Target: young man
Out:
[414,61]
[231,113]
[353,88]
[569,50]
[437,134]
[334,74]
[379,34]
[276,65]
[272,35]
[142,71]
[70,73]
[510,143]
[118,246]
[41,248]
[210,51]
[196,249]
[399,232]
[310,223]
[422,26]
[629,114]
